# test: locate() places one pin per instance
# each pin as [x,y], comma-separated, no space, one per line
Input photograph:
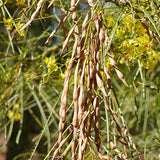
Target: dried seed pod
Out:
[74,16]
[113,62]
[82,138]
[73,2]
[107,75]
[58,26]
[121,77]
[96,125]
[84,144]
[102,35]
[75,116]
[80,153]
[39,5]
[90,2]
[61,22]
[119,74]
[97,57]
[93,49]
[64,100]
[91,70]
[65,44]
[56,152]
[85,23]
[102,38]
[121,155]
[81,99]
[96,21]
[100,84]
[81,102]
[73,6]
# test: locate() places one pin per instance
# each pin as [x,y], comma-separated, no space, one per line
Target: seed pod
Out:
[97,56]
[121,155]
[73,2]
[64,100]
[121,77]
[80,147]
[96,21]
[90,2]
[113,62]
[91,70]
[84,144]
[74,16]
[73,6]
[100,84]
[107,74]
[65,44]
[85,23]
[81,99]
[96,121]
[58,26]
[102,35]
[75,116]
[60,146]
[102,38]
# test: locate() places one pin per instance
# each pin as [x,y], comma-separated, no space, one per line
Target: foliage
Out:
[107,53]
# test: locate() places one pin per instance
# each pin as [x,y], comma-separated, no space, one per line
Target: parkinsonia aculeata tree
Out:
[102,38]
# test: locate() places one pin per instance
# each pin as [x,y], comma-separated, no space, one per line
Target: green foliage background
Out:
[32,73]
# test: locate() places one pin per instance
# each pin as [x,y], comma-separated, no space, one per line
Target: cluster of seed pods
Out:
[88,83]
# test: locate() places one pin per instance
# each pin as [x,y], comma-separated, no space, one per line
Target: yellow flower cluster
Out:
[51,64]
[135,43]
[9,25]
[110,22]
[15,113]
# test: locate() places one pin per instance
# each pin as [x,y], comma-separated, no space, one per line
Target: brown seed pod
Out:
[119,74]
[85,23]
[56,152]
[75,116]
[61,22]
[90,2]
[96,21]
[102,35]
[81,99]
[107,75]
[73,2]
[84,144]
[58,26]
[100,84]
[80,153]
[64,100]
[121,155]
[121,77]
[65,44]
[39,5]
[74,17]
[113,62]
[96,121]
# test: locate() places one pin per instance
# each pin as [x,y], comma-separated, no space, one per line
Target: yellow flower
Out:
[51,63]
[119,32]
[16,107]
[10,114]
[17,116]
[8,23]
[128,23]
[111,22]
[22,2]
[62,75]
[139,29]
[19,26]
